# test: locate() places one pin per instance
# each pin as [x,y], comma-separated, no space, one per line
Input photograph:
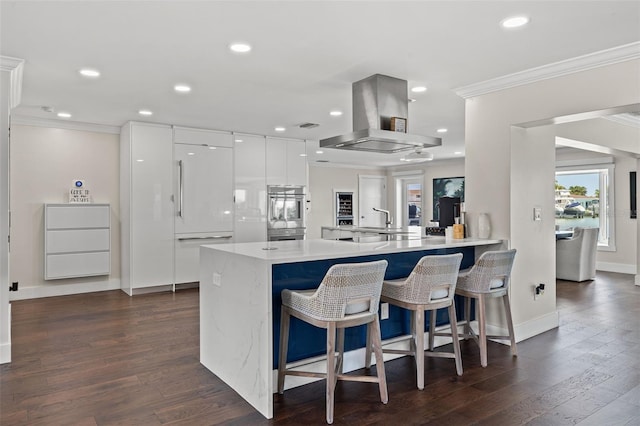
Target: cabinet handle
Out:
[180,188]
[214,237]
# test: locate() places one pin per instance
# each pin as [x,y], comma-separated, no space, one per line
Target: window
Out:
[584,197]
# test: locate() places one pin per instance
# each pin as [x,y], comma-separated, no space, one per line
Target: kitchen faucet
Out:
[387,216]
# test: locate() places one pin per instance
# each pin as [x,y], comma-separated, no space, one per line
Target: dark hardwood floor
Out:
[108,359]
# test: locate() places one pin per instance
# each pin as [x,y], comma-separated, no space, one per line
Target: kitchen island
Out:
[240,287]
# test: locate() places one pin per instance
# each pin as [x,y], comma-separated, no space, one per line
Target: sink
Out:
[385,237]
[383,230]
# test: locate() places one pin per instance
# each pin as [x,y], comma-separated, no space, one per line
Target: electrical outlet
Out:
[217,279]
[384,311]
[538,291]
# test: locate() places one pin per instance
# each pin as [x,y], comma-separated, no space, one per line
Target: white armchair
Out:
[576,256]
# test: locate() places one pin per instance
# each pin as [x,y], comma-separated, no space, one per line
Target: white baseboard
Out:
[24,292]
[622,268]
[638,279]
[5,353]
[526,329]
[5,348]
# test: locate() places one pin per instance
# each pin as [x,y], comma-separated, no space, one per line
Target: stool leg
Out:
[367,352]
[467,318]
[512,335]
[284,346]
[482,327]
[454,335]
[432,328]
[419,352]
[340,348]
[331,369]
[377,349]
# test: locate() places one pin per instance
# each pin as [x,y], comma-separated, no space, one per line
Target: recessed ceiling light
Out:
[280,129]
[303,155]
[145,112]
[458,153]
[514,21]
[319,152]
[335,113]
[240,47]
[191,153]
[182,88]
[64,115]
[213,147]
[418,89]
[140,160]
[442,130]
[89,72]
[239,140]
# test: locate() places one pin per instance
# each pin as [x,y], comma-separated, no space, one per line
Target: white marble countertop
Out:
[318,249]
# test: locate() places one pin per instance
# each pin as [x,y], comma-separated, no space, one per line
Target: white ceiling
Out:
[305,57]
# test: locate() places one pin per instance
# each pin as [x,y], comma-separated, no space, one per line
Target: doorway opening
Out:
[409,196]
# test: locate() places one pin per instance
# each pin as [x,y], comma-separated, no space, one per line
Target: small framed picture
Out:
[399,124]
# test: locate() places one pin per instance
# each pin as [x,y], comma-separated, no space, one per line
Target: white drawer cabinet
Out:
[77,240]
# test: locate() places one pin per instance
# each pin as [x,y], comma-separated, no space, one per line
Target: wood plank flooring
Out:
[108,359]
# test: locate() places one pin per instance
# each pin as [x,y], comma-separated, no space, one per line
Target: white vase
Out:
[484,226]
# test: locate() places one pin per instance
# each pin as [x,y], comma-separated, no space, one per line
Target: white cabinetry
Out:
[146,206]
[190,136]
[286,162]
[250,189]
[204,196]
[77,240]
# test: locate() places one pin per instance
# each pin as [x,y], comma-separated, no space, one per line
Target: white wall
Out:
[322,181]
[44,161]
[5,316]
[507,173]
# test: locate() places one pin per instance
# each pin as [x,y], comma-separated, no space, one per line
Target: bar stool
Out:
[489,277]
[348,296]
[430,286]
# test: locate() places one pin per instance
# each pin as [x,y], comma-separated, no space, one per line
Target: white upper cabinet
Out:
[186,135]
[297,163]
[250,189]
[286,163]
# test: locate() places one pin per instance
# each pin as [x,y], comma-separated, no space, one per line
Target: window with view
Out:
[584,198]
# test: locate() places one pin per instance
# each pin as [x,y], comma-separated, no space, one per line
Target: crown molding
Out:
[627,119]
[14,66]
[67,125]
[626,52]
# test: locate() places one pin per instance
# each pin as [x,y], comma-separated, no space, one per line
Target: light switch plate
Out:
[537,213]
[217,279]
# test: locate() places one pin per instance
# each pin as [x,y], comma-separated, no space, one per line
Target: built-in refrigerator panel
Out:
[204,189]
[203,204]
[343,207]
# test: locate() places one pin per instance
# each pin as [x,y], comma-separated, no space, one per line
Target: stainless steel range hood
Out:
[376,99]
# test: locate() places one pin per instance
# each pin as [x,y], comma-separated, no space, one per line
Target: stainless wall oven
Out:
[285,213]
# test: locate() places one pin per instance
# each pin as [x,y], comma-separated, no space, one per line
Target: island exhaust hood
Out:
[376,100]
